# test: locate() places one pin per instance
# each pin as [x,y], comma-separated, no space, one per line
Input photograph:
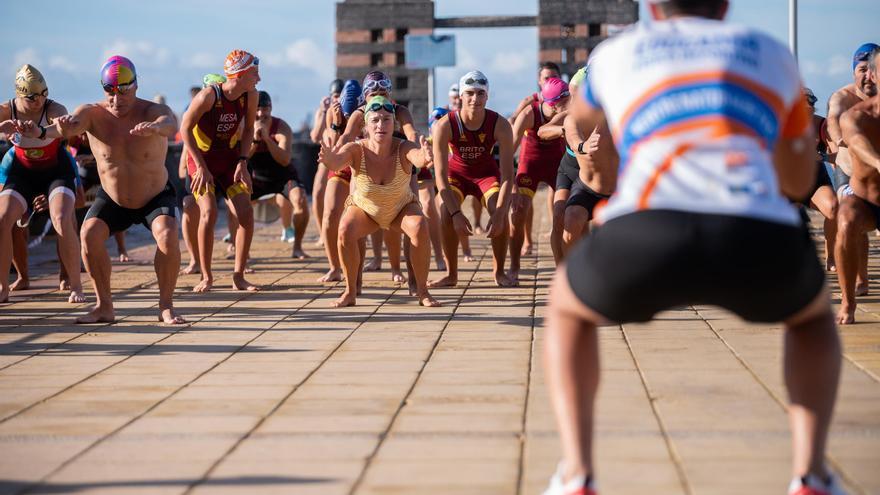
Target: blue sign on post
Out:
[429,51]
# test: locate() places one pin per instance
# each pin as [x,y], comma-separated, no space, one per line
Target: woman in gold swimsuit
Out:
[381,166]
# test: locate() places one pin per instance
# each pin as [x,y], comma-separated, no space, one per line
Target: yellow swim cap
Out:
[29,81]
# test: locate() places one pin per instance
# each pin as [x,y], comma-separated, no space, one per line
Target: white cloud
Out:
[466,59]
[510,63]
[835,65]
[62,63]
[26,56]
[142,53]
[305,54]
[204,60]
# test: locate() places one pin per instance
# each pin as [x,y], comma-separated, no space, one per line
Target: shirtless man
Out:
[470,135]
[218,130]
[859,212]
[129,138]
[862,88]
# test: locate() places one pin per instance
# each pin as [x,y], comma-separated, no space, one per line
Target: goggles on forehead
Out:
[34,96]
[375,107]
[476,81]
[373,84]
[120,89]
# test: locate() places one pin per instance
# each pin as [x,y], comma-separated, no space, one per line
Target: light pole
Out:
[792,27]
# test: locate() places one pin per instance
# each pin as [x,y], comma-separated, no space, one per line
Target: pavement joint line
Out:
[521,467]
[96,443]
[368,462]
[838,468]
[677,461]
[131,290]
[862,368]
[244,295]
[216,464]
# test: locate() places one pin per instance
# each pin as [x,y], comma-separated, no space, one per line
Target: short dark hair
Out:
[872,59]
[549,65]
[706,8]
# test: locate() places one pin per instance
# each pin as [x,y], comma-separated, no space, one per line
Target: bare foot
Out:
[830,265]
[346,299]
[397,277]
[191,268]
[513,275]
[230,252]
[98,315]
[332,275]
[502,280]
[319,243]
[468,257]
[526,250]
[299,254]
[239,283]
[478,230]
[76,296]
[374,265]
[124,258]
[21,284]
[862,289]
[845,316]
[204,285]
[249,269]
[447,281]
[64,284]
[428,301]
[168,317]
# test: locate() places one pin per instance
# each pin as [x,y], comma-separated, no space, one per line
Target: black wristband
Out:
[453,214]
[581,148]
[335,127]
[42,132]
[242,157]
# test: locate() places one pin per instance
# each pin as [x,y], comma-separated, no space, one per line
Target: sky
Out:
[174,43]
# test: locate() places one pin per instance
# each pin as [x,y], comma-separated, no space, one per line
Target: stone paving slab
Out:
[277,392]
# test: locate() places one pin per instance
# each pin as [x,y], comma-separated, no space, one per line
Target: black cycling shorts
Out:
[639,264]
[582,195]
[119,218]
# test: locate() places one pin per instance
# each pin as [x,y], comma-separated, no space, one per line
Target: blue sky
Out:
[173,43]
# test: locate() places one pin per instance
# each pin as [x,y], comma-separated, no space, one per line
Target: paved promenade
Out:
[276,392]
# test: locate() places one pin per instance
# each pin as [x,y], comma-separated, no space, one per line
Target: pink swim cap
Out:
[554,89]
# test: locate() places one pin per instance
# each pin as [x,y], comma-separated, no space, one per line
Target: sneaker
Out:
[577,486]
[287,234]
[814,485]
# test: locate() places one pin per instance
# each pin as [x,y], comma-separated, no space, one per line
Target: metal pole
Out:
[792,27]
[431,90]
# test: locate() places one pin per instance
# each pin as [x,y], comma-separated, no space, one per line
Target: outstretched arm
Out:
[161,121]
[553,129]
[336,159]
[65,126]
[421,156]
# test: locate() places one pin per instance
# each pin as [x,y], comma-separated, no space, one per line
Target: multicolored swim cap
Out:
[350,97]
[212,79]
[239,61]
[861,54]
[554,90]
[436,114]
[29,81]
[118,71]
[578,78]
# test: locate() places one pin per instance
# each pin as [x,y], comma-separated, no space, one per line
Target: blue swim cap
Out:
[350,97]
[437,114]
[862,53]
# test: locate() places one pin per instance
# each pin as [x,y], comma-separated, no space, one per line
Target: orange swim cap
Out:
[239,61]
